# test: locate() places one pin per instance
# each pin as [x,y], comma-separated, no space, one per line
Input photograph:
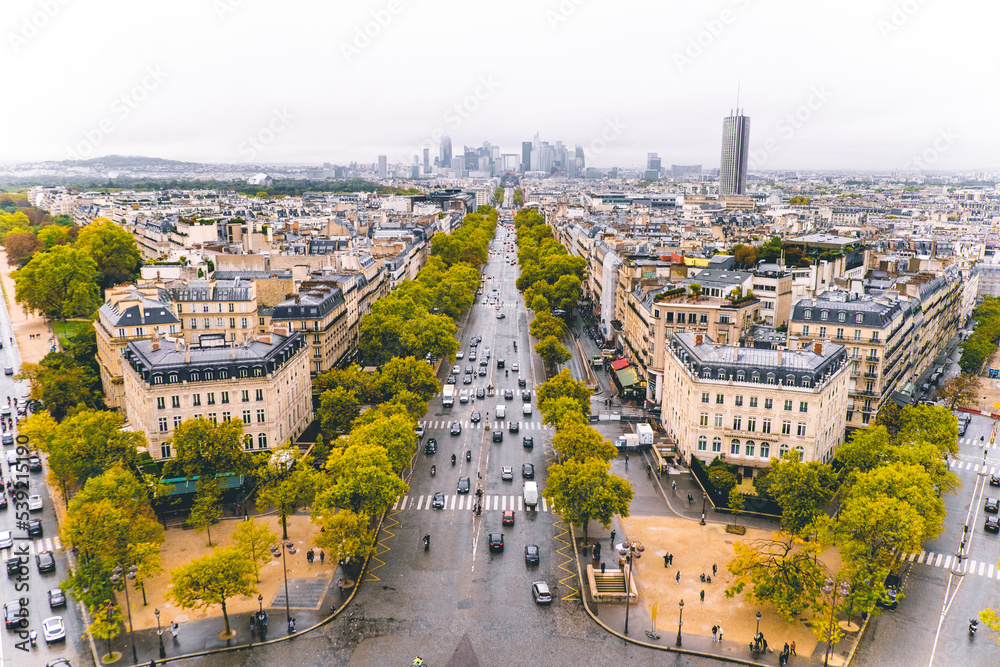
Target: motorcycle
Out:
[433,471]
[427,542]
[468,455]
[453,459]
[973,626]
[506,374]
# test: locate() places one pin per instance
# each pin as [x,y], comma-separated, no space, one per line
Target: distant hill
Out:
[129,162]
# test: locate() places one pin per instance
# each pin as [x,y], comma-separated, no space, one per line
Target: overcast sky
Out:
[867,84]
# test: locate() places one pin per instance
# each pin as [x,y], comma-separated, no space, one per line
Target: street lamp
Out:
[630,550]
[284,573]
[159,634]
[680,621]
[831,586]
[111,609]
[704,506]
[260,603]
[116,576]
[757,632]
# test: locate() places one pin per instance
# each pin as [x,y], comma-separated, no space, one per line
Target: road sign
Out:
[654,610]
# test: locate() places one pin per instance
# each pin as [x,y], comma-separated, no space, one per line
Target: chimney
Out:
[736,351]
[177,344]
[780,356]
[232,350]
[818,348]
[155,343]
[187,353]
[698,339]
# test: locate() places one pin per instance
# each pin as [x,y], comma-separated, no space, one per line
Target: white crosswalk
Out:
[975,441]
[34,546]
[467,502]
[968,566]
[495,425]
[974,466]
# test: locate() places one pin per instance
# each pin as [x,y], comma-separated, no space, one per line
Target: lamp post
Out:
[260,603]
[680,621]
[284,573]
[757,632]
[631,549]
[704,506]
[159,634]
[116,576]
[111,610]
[832,587]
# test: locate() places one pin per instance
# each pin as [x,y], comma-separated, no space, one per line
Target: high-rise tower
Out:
[446,152]
[735,149]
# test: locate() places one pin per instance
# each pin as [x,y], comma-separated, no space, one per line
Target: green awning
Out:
[627,377]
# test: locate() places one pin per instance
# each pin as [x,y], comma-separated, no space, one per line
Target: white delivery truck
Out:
[501,411]
[448,396]
[531,494]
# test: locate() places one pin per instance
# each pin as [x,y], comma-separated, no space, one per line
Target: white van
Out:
[526,408]
[501,411]
[530,494]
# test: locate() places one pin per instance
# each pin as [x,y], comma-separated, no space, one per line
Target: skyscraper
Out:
[383,170]
[427,160]
[735,148]
[580,162]
[445,152]
[526,155]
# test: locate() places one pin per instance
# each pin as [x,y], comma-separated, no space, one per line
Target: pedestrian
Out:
[786,649]
[703,595]
[678,577]
[666,560]
[715,632]
[245,515]
[322,556]
[174,628]
[602,567]
[152,663]
[671,559]
[612,537]
[673,486]
[720,633]
[626,462]
[715,569]
[792,648]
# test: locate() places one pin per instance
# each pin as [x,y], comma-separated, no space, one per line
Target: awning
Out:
[627,377]
[619,364]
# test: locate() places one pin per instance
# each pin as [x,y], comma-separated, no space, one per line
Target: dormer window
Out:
[808,315]
[824,315]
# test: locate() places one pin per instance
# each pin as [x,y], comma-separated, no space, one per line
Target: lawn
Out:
[66,329]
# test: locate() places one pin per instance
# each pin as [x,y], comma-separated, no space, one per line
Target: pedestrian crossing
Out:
[974,466]
[467,502]
[34,547]
[495,425]
[975,441]
[949,561]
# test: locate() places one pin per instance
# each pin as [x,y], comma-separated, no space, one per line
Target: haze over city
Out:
[856,85]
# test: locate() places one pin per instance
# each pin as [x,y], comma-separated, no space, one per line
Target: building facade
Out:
[735,153]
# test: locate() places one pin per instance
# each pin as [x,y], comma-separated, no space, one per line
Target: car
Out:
[540,591]
[500,362]
[480,393]
[890,600]
[497,436]
[35,503]
[507,473]
[496,542]
[8,440]
[472,354]
[468,368]
[460,355]
[46,562]
[508,518]
[14,615]
[467,379]
[994,480]
[13,459]
[35,528]
[992,505]
[526,396]
[514,367]
[452,379]
[527,442]
[6,539]
[464,485]
[57,598]
[9,370]
[528,471]
[54,629]
[15,565]
[522,382]
[483,363]
[482,372]
[3,500]
[431,446]
[531,555]
[475,418]
[438,502]
[456,428]
[486,351]
[463,397]
[456,370]
[513,427]
[992,524]
[508,394]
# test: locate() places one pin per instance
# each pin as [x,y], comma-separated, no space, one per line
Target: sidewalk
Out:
[34,335]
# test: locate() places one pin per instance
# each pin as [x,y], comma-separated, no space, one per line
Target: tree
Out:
[394,433]
[108,622]
[802,490]
[287,482]
[253,540]
[61,385]
[52,236]
[113,249]
[563,384]
[346,534]
[722,479]
[745,256]
[960,390]
[338,408]
[408,374]
[206,510]
[552,352]
[889,416]
[363,481]
[562,412]
[206,449]
[21,247]
[539,304]
[587,491]
[545,325]
[577,441]
[213,579]
[518,198]
[736,502]
[696,290]
[907,483]
[60,283]
[782,571]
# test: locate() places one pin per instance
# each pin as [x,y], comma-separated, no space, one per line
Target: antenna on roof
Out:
[737,97]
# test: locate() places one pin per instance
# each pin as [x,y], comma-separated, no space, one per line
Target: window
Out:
[165,450]
[207,321]
[840,333]
[803,406]
[786,427]
[703,419]
[175,401]
[753,401]
[739,401]
[703,319]
[246,416]
[244,373]
[806,382]
[260,417]
[157,379]
[720,399]
[163,424]
[226,416]
[865,418]
[232,322]
[196,400]
[161,403]
[723,318]
[716,444]
[765,425]
[749,447]
[857,334]
[822,332]
[245,396]
[204,308]
[801,429]
[755,376]
[702,443]
[681,318]
[195,377]
[220,322]
[788,405]
[765,450]
[740,376]
[262,440]
[260,395]
[718,421]
[824,315]
[213,417]
[232,308]
[704,397]
[248,441]
[706,373]
[782,450]
[751,423]
[244,323]
[211,398]
[177,421]
[692,318]
[722,374]
[670,317]
[121,333]
[737,423]
[805,330]
[808,314]
[768,403]
[734,448]
[225,397]
[859,318]
[841,317]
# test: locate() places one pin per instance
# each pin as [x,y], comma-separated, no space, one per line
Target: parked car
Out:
[35,503]
[890,602]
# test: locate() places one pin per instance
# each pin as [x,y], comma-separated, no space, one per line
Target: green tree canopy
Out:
[576,441]
[113,250]
[338,408]
[802,490]
[60,283]
[203,448]
[587,491]
[363,481]
[782,571]
[552,352]
[252,539]
[286,483]
[346,534]
[563,384]
[213,580]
